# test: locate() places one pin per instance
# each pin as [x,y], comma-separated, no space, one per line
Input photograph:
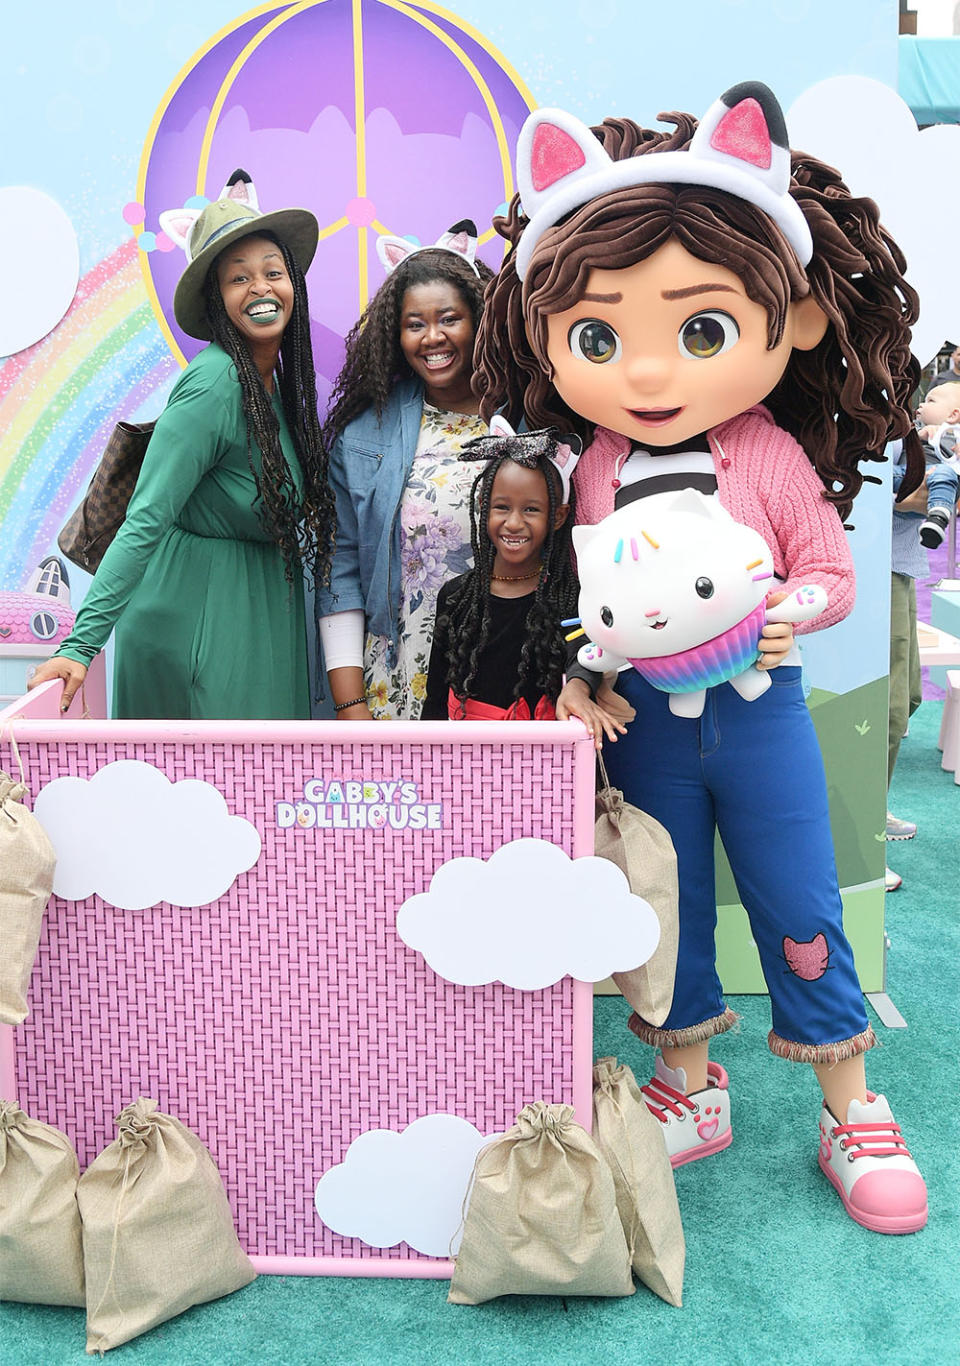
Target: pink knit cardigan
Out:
[766,482]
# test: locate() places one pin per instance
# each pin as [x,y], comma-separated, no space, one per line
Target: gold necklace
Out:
[516,578]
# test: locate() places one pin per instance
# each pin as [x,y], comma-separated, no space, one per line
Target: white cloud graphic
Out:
[134,838]
[37,234]
[527,917]
[866,130]
[406,1187]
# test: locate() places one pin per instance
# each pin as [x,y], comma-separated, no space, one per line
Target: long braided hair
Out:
[467,614]
[302,526]
[374,361]
[842,401]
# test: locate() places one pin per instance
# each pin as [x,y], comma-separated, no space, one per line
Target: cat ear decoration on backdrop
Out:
[527,449]
[740,146]
[461,239]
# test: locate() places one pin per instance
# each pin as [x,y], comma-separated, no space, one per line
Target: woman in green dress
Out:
[204,581]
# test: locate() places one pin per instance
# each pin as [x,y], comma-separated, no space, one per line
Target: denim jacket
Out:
[369,466]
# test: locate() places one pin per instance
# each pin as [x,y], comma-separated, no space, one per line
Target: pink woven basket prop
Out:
[286,1018]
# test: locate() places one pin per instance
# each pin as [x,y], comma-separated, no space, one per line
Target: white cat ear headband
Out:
[526,448]
[461,239]
[740,146]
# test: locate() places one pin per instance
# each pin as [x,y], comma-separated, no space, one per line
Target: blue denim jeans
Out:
[753,771]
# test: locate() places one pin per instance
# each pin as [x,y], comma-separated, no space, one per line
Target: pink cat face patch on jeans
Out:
[808,960]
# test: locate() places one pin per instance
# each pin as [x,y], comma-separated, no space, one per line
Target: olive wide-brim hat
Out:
[223,222]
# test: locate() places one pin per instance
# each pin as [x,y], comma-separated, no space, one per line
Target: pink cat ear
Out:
[392,250]
[554,154]
[240,187]
[743,133]
[499,426]
[461,238]
[178,224]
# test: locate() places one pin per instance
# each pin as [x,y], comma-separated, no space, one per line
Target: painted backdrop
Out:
[376,114]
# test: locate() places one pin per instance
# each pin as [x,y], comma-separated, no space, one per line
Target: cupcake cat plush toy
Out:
[678,589]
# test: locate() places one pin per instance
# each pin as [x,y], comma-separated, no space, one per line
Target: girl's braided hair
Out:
[302,526]
[842,401]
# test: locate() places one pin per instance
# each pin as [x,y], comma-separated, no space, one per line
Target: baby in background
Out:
[938,422]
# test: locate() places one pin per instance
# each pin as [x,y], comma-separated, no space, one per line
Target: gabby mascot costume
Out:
[711,312]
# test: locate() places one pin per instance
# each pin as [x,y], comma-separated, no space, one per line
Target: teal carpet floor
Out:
[776,1271]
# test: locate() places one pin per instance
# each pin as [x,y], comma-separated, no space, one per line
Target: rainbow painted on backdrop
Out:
[60,399]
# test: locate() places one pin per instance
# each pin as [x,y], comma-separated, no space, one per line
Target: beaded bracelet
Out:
[354,702]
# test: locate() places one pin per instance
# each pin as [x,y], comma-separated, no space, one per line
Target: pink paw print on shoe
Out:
[710,1123]
[826,1145]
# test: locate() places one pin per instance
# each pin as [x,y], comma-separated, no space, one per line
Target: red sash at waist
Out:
[474,710]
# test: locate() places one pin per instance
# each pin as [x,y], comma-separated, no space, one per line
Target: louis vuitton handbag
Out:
[98,518]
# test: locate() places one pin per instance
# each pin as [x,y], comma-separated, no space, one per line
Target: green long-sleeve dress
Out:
[206,624]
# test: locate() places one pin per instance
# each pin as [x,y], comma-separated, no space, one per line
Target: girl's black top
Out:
[498,666]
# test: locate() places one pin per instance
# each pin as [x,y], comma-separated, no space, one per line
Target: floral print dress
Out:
[435,547]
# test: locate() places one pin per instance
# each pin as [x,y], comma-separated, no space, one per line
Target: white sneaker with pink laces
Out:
[693,1126]
[869,1164]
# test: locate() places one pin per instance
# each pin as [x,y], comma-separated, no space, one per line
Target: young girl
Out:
[498,648]
[651,303]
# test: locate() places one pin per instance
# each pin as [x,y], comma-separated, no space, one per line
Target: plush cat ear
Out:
[241,188]
[699,505]
[567,456]
[392,250]
[499,426]
[178,225]
[555,152]
[745,130]
[582,536]
[462,239]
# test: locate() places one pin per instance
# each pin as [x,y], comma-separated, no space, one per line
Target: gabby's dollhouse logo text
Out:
[354,805]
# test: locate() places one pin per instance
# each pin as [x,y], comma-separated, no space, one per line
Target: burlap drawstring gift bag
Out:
[542,1217]
[158,1235]
[632,1144]
[27,864]
[643,851]
[41,1255]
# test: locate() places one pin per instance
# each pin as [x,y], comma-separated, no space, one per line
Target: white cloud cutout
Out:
[528,917]
[406,1187]
[868,132]
[37,234]
[134,838]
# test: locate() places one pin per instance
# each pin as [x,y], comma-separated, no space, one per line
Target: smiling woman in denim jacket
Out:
[402,409]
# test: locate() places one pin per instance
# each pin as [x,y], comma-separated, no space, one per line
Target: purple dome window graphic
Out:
[328,106]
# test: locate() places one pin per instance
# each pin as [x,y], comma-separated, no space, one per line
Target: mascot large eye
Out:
[594,341]
[705,587]
[606,616]
[706,335]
